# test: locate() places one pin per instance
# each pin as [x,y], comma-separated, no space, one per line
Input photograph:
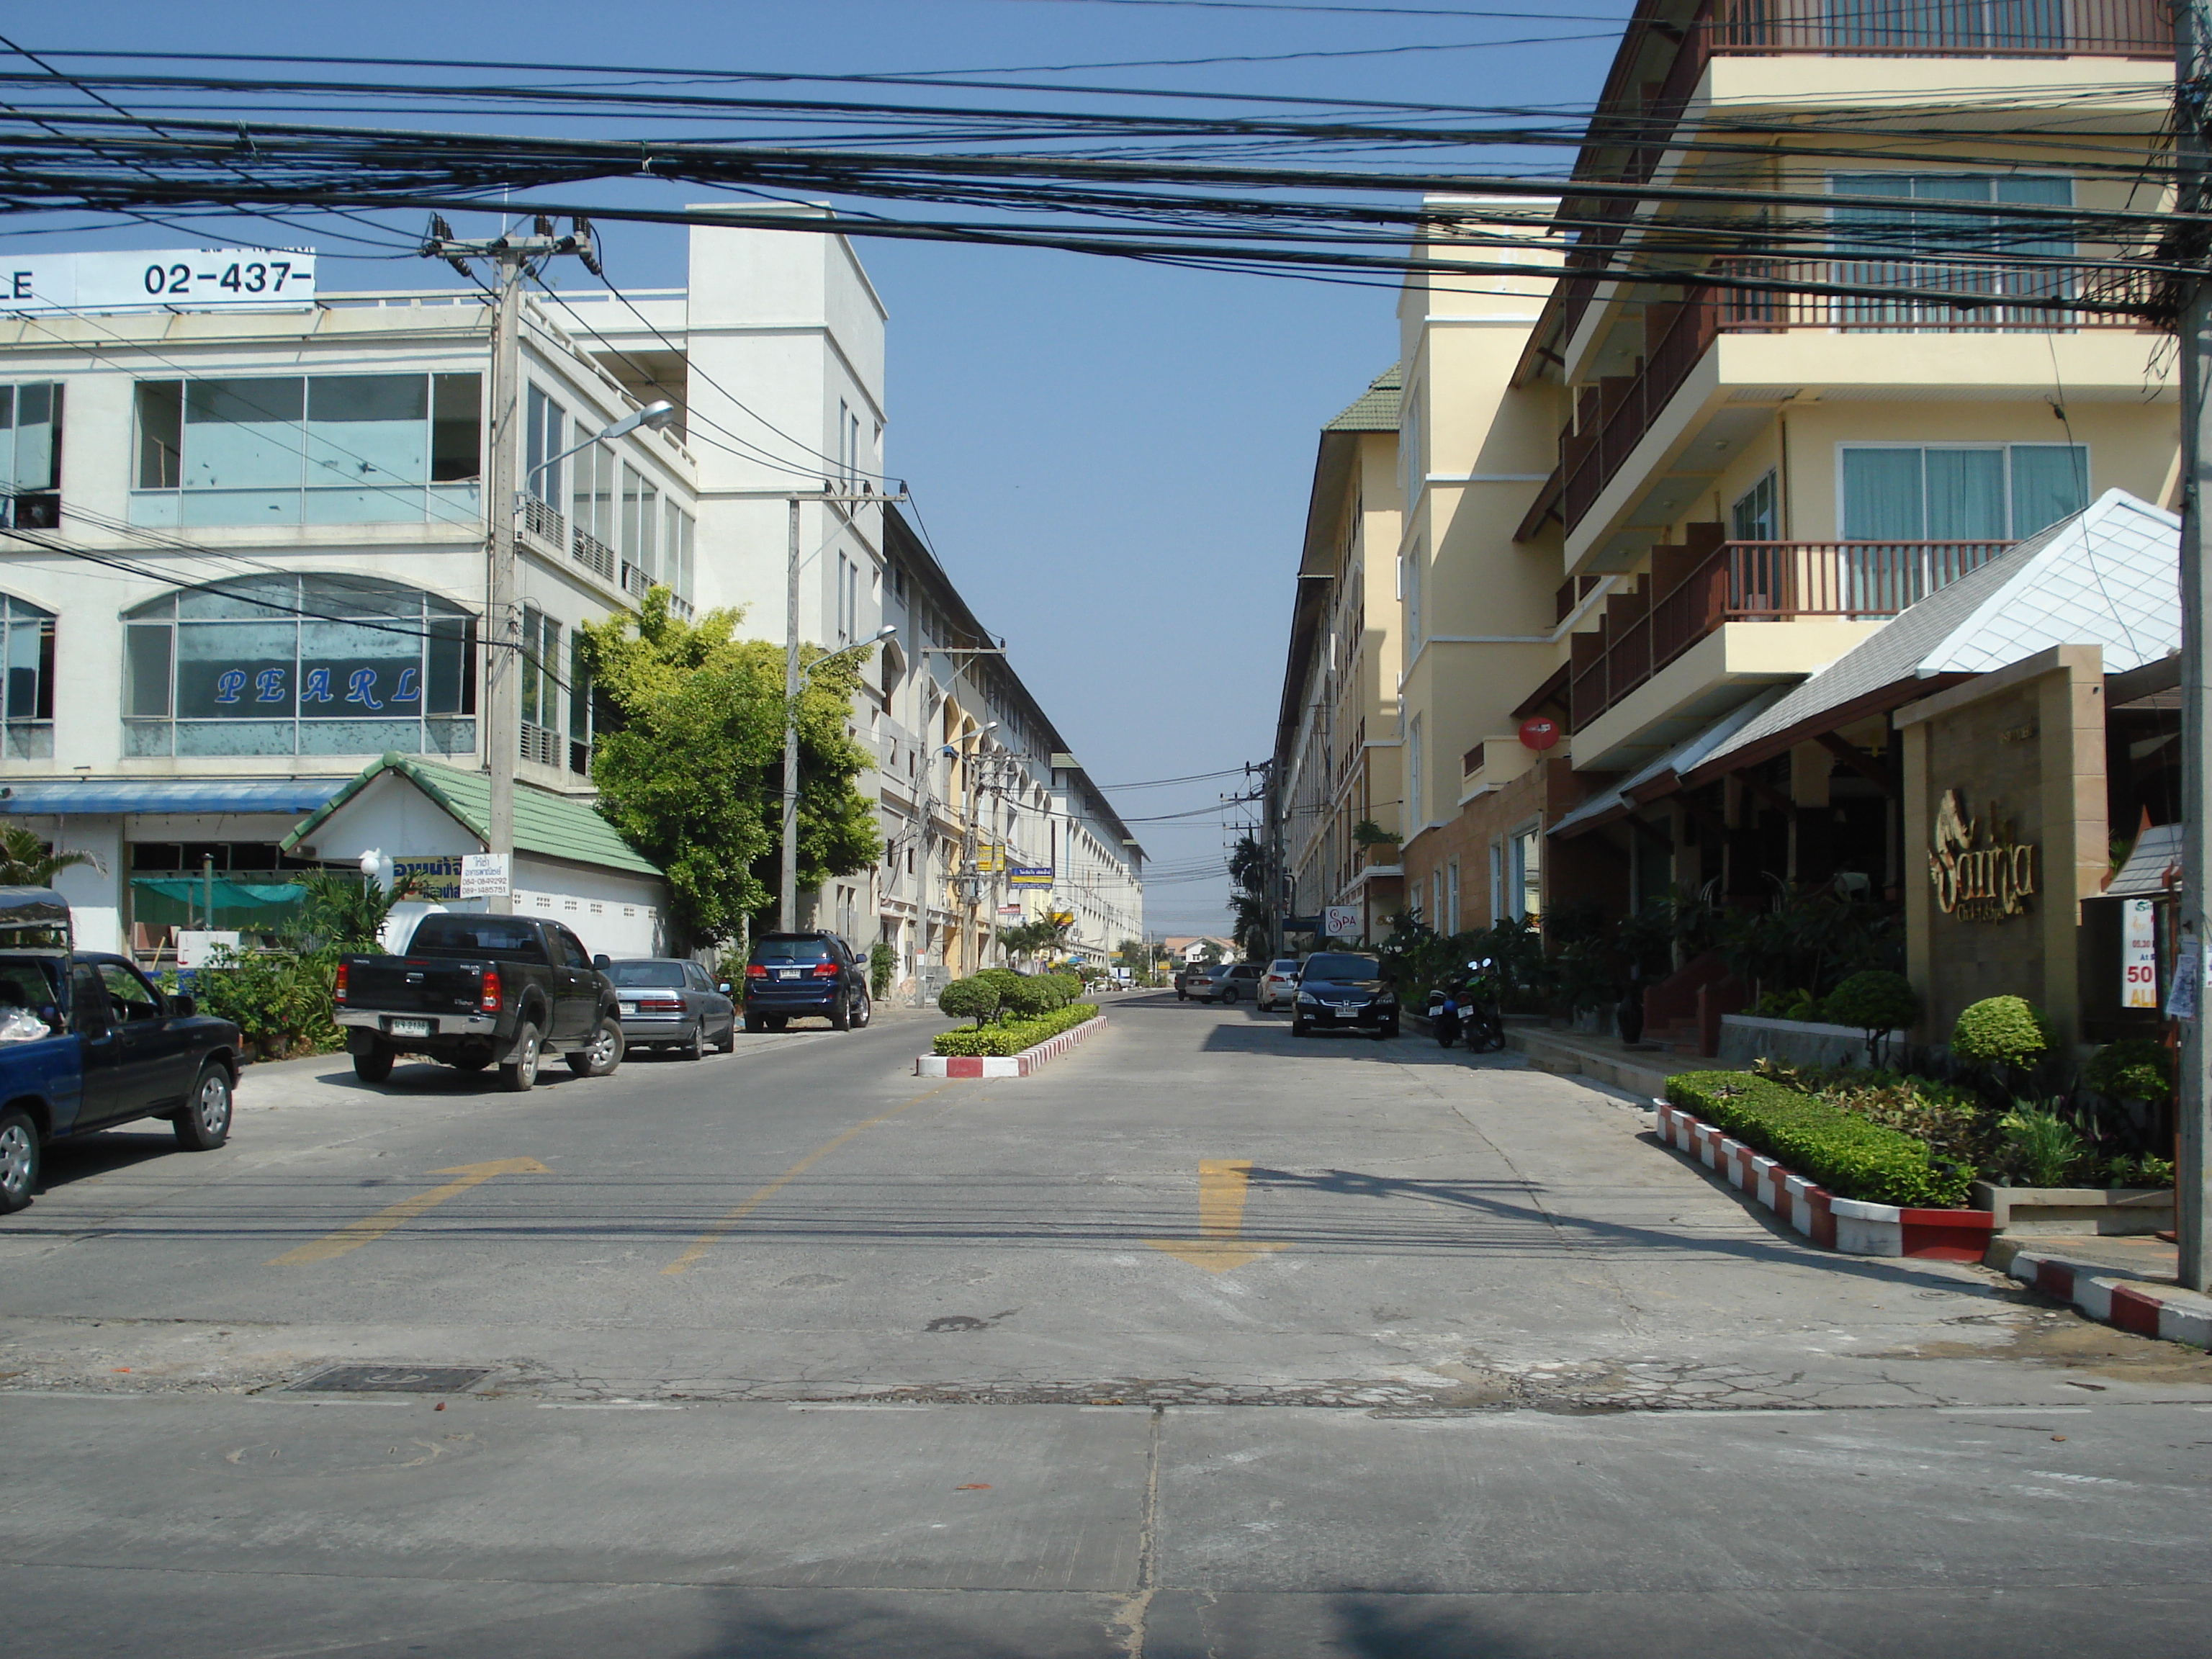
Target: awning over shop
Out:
[73,797]
[2156,852]
[184,901]
[1660,776]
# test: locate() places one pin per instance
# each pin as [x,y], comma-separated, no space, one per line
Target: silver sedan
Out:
[668,1002]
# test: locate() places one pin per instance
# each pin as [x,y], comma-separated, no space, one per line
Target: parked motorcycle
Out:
[1469,1009]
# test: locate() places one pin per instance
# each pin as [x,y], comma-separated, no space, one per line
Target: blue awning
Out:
[70,796]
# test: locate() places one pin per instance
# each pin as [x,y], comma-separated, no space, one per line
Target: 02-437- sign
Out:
[182,279]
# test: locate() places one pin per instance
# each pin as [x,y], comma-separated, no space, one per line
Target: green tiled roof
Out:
[1375,410]
[552,826]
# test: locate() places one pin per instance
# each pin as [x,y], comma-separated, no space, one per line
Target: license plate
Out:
[787,973]
[410,1028]
[1347,1013]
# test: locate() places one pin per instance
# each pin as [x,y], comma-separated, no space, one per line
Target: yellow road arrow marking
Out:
[1221,1182]
[355,1234]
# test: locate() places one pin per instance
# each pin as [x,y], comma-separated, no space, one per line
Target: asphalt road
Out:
[1201,1342]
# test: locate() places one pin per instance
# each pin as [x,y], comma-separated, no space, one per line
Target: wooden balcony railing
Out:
[1976,297]
[1694,589]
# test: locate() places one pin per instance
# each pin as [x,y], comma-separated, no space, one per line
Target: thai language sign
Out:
[1026,875]
[436,876]
[2138,953]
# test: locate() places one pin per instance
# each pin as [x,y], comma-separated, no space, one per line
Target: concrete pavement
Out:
[1201,1341]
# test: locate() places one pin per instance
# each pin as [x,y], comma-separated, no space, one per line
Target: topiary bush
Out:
[1850,1156]
[973,998]
[2134,1068]
[2001,1031]
[1877,1001]
[1031,995]
[881,961]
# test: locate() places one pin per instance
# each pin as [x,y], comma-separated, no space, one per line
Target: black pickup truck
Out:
[472,990]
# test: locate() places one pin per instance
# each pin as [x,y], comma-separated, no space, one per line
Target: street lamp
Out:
[789,905]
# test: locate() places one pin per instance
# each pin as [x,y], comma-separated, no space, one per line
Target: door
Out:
[157,1045]
[575,988]
[105,1097]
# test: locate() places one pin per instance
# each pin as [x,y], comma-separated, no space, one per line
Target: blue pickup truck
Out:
[113,1050]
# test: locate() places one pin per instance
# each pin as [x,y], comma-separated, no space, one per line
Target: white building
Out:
[250,560]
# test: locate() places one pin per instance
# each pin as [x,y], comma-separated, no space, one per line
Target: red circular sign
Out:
[1538,734]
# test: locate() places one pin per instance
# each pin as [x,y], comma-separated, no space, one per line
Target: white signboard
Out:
[2138,954]
[182,279]
[195,947]
[2181,995]
[483,875]
[1340,921]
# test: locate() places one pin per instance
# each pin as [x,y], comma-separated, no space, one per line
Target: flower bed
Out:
[1845,1152]
[1011,1036]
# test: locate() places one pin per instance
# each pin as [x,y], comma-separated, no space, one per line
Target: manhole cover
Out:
[392,1379]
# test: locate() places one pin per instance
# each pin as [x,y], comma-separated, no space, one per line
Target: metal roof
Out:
[2109,576]
[552,826]
[67,797]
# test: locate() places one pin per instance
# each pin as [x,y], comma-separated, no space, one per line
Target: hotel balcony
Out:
[1713,621]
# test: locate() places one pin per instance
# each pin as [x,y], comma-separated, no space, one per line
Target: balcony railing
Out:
[594,555]
[1966,297]
[1848,28]
[1693,589]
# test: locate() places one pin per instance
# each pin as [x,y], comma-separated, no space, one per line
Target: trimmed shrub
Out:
[1014,1035]
[2134,1068]
[1843,1151]
[2001,1031]
[881,961]
[974,998]
[1876,1001]
[1030,996]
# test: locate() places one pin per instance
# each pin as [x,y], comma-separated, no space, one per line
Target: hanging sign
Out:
[173,279]
[483,875]
[1539,733]
[2188,973]
[1341,922]
[1021,875]
[2138,953]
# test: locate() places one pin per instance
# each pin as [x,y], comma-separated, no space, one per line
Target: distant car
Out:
[1226,981]
[1278,985]
[1184,975]
[668,1002]
[791,975]
[1338,991]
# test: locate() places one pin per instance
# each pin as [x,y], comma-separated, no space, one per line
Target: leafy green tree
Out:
[343,912]
[692,775]
[1029,939]
[26,862]
[1248,909]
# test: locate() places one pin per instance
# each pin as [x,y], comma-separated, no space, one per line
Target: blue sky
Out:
[1112,459]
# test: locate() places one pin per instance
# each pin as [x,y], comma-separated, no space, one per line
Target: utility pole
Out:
[511,258]
[788,888]
[2193,1099]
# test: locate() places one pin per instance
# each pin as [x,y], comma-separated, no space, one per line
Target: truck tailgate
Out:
[414,985]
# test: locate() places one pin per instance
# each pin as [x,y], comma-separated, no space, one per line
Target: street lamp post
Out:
[793,678]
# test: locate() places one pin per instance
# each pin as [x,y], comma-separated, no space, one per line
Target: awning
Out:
[229,895]
[1625,796]
[2156,851]
[71,797]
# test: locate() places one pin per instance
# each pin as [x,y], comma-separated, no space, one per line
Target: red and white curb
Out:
[2120,1302]
[1849,1225]
[1020,1065]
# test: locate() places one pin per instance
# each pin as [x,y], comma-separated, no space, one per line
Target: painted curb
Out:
[2113,1301]
[1021,1065]
[1847,1225]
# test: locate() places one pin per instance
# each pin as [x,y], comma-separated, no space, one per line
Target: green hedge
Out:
[1011,1036]
[1841,1150]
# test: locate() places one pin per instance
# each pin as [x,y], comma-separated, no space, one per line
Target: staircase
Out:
[1682,1012]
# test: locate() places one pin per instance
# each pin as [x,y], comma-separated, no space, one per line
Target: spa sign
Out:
[1989,883]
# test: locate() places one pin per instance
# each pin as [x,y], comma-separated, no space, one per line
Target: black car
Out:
[1338,991]
[789,975]
[668,1002]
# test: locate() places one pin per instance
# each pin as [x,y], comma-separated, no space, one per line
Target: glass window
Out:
[647,973]
[322,449]
[1889,230]
[31,456]
[640,525]
[128,992]
[1961,492]
[299,664]
[541,669]
[26,657]
[591,504]
[1753,518]
[544,429]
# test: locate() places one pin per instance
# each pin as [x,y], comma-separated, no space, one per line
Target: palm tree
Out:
[26,862]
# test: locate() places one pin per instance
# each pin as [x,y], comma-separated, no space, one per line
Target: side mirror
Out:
[184,1005]
[603,962]
[724,987]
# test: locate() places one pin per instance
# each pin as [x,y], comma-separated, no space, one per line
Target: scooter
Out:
[1476,1007]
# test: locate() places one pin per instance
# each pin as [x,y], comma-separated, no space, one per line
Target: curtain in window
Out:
[1965,494]
[2050,482]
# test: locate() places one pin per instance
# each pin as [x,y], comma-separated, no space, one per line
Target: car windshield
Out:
[792,950]
[647,973]
[476,936]
[1287,965]
[1333,966]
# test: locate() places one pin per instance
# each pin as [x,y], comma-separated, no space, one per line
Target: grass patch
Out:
[1011,1036]
[1845,1152]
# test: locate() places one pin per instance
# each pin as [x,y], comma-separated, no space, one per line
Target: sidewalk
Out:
[2127,1282]
[1641,1068]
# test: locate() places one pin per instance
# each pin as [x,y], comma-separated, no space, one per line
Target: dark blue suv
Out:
[791,974]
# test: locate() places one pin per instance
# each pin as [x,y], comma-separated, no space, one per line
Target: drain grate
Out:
[392,1379]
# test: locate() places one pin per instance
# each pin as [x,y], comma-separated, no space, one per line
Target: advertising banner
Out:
[175,279]
[485,875]
[437,875]
[1340,921]
[2138,954]
[1022,875]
